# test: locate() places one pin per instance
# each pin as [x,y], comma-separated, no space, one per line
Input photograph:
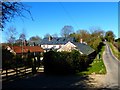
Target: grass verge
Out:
[115,51]
[96,67]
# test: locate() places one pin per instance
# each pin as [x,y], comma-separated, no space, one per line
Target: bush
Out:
[7,59]
[64,62]
[55,62]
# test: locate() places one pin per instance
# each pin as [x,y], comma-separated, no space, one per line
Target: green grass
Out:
[96,67]
[115,51]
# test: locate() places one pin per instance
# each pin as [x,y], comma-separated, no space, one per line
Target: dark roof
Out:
[57,40]
[85,49]
[32,42]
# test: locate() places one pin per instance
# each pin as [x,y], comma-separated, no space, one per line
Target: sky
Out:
[51,17]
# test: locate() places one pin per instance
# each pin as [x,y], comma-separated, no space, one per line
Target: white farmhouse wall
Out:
[50,46]
[57,46]
[43,46]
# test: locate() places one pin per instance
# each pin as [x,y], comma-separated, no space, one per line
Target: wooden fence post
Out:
[16,71]
[6,74]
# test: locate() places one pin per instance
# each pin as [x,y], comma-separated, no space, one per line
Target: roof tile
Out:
[25,49]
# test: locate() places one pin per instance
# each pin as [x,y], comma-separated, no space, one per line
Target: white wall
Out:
[50,46]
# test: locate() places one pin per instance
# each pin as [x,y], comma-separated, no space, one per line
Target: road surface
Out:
[112,78]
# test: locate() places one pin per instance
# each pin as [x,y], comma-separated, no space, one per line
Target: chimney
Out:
[81,40]
[49,38]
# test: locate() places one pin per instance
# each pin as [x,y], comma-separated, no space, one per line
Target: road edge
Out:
[113,54]
[103,58]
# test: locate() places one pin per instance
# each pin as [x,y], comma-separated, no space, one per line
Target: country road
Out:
[112,78]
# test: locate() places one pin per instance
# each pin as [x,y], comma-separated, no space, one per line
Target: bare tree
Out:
[66,31]
[22,36]
[10,10]
[55,35]
[35,38]
[97,31]
[11,35]
[47,35]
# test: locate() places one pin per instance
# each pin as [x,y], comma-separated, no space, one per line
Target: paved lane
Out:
[113,68]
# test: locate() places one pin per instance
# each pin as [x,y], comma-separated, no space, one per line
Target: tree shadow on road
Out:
[41,81]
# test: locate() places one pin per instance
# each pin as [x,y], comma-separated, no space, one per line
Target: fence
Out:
[16,73]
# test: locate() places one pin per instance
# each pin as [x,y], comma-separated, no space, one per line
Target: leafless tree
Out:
[35,38]
[55,35]
[9,10]
[47,35]
[97,31]
[22,36]
[66,31]
[11,35]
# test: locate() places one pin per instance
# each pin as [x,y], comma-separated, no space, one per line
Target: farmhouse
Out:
[54,43]
[66,44]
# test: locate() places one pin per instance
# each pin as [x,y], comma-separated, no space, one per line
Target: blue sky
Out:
[51,17]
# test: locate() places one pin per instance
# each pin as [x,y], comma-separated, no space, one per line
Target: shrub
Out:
[7,59]
[64,62]
[55,62]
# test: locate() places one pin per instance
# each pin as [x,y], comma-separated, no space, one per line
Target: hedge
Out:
[64,62]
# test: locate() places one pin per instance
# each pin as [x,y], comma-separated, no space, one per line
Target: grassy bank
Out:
[115,51]
[96,67]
